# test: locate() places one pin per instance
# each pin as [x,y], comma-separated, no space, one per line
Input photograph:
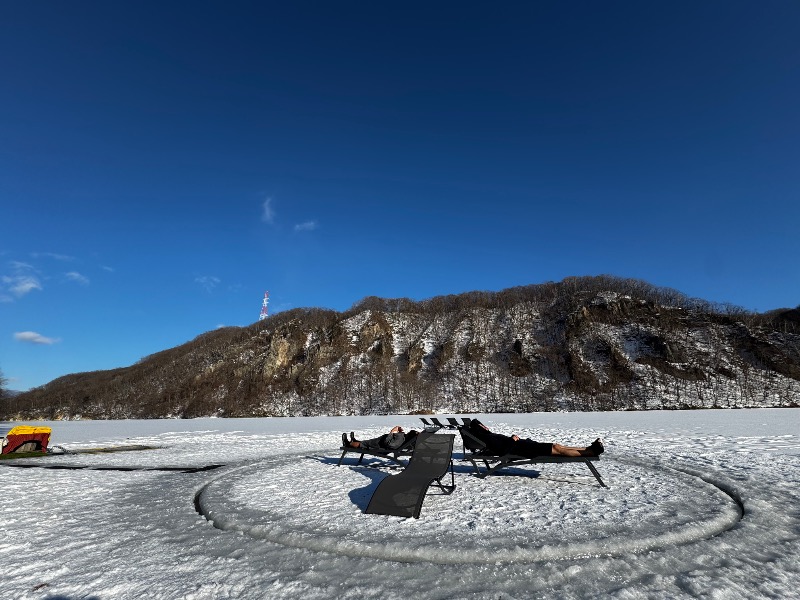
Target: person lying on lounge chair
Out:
[500,444]
[388,441]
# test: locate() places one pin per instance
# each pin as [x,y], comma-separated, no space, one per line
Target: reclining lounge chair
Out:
[434,424]
[391,455]
[402,495]
[475,450]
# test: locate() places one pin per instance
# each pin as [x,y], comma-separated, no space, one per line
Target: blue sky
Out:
[162,164]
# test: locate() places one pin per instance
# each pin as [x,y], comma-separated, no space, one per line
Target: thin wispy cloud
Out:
[77,277]
[267,212]
[208,282]
[109,269]
[307,226]
[19,285]
[31,337]
[20,266]
[23,280]
[53,255]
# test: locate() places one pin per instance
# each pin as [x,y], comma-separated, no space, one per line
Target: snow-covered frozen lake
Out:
[700,504]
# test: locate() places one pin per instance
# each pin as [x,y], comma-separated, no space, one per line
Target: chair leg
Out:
[596,473]
[447,489]
[474,466]
[452,478]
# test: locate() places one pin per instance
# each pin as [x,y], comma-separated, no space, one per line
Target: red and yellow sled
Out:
[26,438]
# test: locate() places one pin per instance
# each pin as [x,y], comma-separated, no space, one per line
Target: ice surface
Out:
[699,504]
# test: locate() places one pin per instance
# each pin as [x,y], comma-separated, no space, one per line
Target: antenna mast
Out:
[264,310]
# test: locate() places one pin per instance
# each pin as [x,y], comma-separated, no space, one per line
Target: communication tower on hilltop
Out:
[264,310]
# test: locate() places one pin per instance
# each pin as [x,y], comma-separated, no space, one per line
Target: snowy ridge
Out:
[539,348]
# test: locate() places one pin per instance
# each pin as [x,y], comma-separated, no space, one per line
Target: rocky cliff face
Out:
[598,343]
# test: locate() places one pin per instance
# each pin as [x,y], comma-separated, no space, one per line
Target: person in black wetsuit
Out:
[388,441]
[500,444]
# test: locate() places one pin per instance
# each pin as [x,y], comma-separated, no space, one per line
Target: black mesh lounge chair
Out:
[435,424]
[406,449]
[475,450]
[402,495]
[428,425]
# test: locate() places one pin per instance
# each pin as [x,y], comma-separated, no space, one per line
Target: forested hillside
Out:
[591,343]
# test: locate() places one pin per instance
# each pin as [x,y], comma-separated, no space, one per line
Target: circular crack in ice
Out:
[307,502]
